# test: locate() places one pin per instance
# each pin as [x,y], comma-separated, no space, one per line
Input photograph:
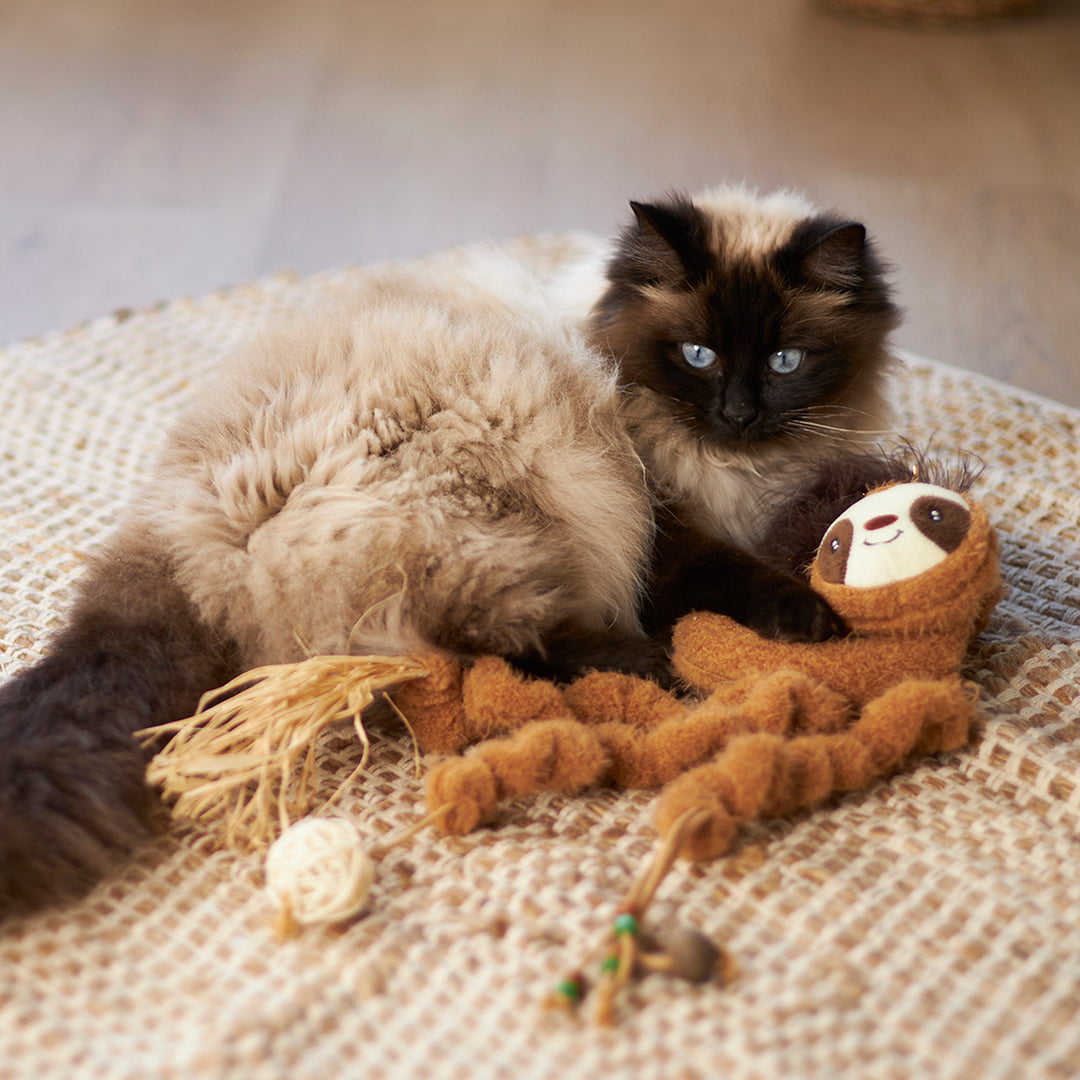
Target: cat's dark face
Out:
[749,341]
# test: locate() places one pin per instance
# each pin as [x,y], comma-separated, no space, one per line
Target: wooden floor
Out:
[157,147]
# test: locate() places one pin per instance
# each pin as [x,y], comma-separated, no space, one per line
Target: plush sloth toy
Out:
[912,568]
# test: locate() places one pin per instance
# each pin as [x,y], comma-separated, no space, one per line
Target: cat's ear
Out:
[674,228]
[832,255]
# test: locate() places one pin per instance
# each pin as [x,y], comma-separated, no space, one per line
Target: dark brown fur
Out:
[823,290]
[73,798]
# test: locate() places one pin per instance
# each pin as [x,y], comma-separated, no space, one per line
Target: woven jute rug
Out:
[926,927]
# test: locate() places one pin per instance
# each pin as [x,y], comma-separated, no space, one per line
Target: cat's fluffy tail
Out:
[73,798]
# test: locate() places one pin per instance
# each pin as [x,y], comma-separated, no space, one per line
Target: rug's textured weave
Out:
[928,927]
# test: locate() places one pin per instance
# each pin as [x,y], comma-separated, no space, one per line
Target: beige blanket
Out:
[924,928]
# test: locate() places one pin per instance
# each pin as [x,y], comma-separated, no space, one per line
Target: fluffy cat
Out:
[445,462]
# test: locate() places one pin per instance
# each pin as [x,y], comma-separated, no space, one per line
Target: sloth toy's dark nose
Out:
[881,521]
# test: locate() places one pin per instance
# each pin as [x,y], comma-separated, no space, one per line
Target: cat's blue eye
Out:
[698,356]
[785,361]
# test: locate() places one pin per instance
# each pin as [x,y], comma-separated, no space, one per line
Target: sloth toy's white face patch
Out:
[892,535]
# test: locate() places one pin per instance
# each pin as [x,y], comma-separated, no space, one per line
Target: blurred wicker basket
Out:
[932,11]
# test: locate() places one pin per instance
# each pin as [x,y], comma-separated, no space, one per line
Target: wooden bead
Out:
[692,955]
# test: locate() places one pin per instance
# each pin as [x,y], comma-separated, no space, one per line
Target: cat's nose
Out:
[739,410]
[881,521]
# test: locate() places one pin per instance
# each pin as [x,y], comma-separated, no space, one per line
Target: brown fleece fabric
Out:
[784,725]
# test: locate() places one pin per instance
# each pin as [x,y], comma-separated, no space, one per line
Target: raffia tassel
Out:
[246,758]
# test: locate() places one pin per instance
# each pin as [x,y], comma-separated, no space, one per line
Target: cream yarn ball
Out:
[318,872]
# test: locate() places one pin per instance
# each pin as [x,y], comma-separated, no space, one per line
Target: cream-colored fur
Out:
[438,460]
[748,225]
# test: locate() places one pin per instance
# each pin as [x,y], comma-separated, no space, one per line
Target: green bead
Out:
[626,924]
[611,963]
[569,988]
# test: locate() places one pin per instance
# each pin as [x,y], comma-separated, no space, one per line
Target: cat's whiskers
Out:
[816,425]
[813,438]
[835,408]
[833,412]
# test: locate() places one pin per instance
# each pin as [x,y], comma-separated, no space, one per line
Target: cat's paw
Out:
[650,660]
[68,816]
[571,653]
[799,614]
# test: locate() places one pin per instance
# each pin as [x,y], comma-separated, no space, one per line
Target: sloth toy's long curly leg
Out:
[456,705]
[769,776]
[567,755]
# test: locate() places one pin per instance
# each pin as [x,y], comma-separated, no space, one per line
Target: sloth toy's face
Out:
[892,535]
